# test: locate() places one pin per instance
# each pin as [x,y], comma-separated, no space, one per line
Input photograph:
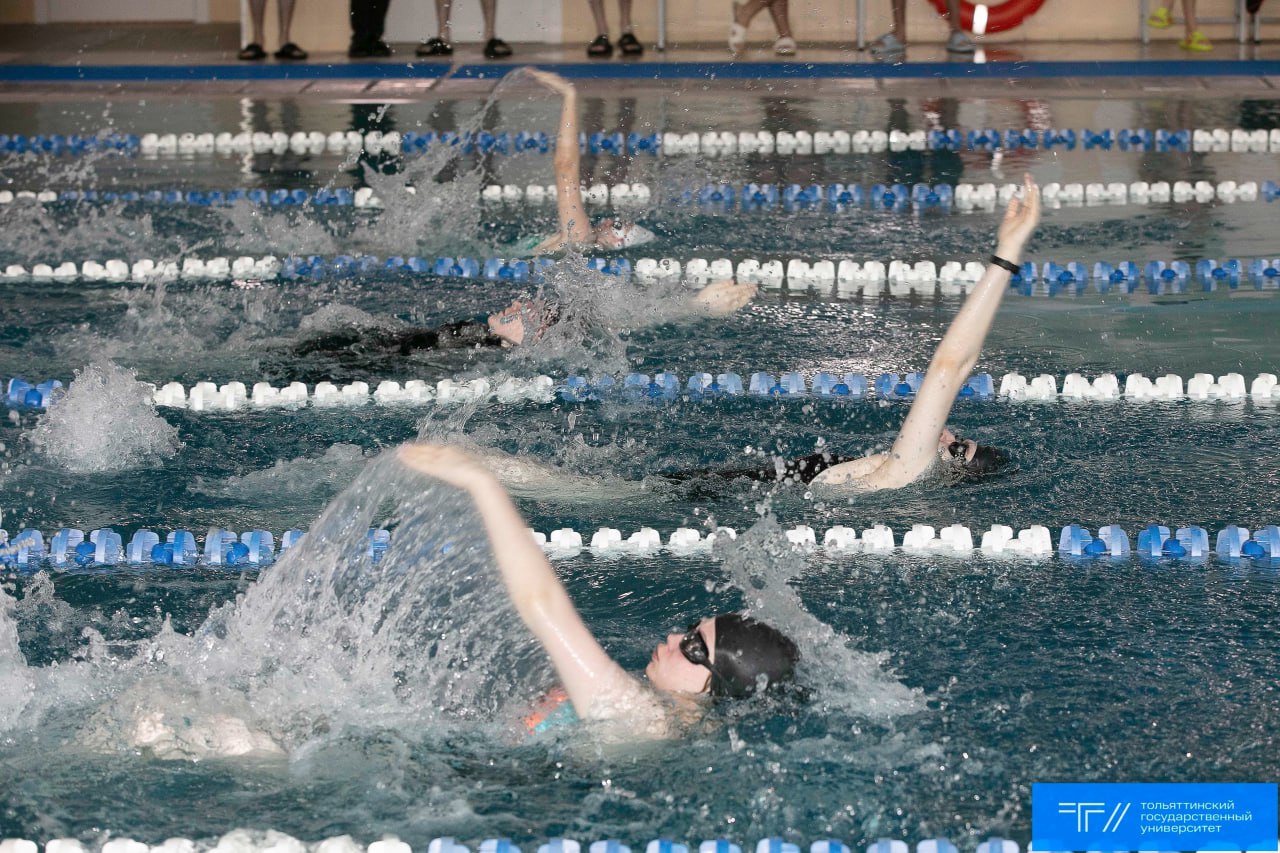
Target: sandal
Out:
[785,46]
[290,52]
[600,48]
[1197,42]
[1160,19]
[496,48]
[252,52]
[434,47]
[630,45]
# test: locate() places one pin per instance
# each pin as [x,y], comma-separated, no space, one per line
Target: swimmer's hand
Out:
[1020,220]
[721,298]
[552,81]
[447,464]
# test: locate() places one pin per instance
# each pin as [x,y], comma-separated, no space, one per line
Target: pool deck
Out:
[75,60]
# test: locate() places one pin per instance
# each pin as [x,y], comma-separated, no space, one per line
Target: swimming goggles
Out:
[958,450]
[694,647]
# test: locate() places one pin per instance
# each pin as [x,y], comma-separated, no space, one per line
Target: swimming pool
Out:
[950,683]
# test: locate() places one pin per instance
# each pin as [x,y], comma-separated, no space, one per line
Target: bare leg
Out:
[285,8]
[624,11]
[597,12]
[778,11]
[444,10]
[900,20]
[953,15]
[749,10]
[258,11]
[1189,16]
[489,9]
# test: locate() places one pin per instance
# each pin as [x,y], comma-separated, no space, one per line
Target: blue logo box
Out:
[1158,816]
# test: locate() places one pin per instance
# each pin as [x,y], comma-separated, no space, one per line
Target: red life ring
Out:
[1003,16]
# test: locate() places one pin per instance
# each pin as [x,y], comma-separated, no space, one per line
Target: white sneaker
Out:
[785,46]
[888,46]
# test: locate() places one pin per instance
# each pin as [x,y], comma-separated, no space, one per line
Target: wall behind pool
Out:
[322,23]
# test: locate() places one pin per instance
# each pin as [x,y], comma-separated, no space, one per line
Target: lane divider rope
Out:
[668,386]
[849,276]
[69,547]
[712,143]
[835,198]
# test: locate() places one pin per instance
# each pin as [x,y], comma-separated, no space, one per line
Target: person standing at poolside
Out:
[1195,40]
[744,12]
[253,51]
[368,21]
[892,46]
[442,43]
[601,48]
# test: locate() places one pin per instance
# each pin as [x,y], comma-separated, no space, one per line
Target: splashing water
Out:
[761,563]
[107,421]
[15,679]
[330,638]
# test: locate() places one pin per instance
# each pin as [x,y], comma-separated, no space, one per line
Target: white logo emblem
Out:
[1083,811]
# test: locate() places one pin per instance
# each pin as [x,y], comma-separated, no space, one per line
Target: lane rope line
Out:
[668,387]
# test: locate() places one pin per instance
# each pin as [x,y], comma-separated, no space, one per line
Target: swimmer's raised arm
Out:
[916,447]
[575,227]
[596,685]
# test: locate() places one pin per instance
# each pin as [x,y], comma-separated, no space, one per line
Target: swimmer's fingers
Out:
[1022,215]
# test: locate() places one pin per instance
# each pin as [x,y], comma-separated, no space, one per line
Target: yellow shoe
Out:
[1197,42]
[1159,19]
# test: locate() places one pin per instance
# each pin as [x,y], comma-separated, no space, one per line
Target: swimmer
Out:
[356,347]
[575,226]
[725,656]
[924,439]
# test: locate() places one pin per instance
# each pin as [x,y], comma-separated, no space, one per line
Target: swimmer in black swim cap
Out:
[737,655]
[731,655]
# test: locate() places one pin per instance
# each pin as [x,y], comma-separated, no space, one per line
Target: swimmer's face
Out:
[508,323]
[959,449]
[612,233]
[670,668]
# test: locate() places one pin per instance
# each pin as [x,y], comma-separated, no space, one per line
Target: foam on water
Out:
[106,421]
[16,685]
[306,476]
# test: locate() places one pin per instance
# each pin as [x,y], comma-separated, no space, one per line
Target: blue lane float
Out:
[511,143]
[70,549]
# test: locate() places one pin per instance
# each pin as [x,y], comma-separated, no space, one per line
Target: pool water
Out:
[939,688]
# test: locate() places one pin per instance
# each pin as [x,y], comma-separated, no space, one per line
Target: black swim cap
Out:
[747,649]
[986,461]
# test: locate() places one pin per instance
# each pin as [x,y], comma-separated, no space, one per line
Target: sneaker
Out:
[1160,19]
[1197,42]
[496,48]
[785,46]
[960,43]
[888,46]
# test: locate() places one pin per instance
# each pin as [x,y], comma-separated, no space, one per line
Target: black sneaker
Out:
[600,48]
[496,48]
[630,45]
[434,47]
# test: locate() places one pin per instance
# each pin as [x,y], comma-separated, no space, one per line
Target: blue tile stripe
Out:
[643,71]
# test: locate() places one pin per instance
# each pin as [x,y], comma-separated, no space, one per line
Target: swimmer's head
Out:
[613,233]
[729,655]
[523,321]
[969,461]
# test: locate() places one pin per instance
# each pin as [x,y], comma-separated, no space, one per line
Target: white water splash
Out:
[16,686]
[106,421]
